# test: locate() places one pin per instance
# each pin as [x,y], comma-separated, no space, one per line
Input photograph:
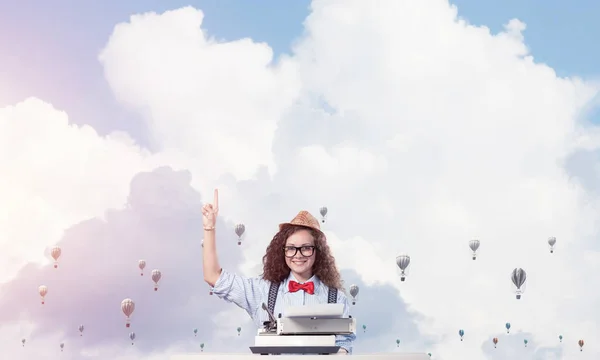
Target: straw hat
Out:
[304,218]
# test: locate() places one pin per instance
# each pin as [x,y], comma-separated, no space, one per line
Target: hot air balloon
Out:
[323,212]
[23,342]
[43,291]
[364,328]
[397,342]
[518,278]
[495,341]
[127,306]
[81,330]
[202,347]
[240,229]
[195,332]
[551,243]
[581,343]
[507,326]
[142,266]
[461,333]
[156,275]
[525,342]
[62,346]
[474,245]
[354,292]
[560,337]
[403,261]
[55,253]
[239,330]
[131,337]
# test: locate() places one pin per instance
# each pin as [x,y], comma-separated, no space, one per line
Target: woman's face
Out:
[300,254]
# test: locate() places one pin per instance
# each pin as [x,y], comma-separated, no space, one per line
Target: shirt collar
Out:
[314,279]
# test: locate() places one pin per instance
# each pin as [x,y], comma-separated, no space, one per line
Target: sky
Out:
[420,125]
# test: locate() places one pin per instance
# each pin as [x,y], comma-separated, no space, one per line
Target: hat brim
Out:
[282,225]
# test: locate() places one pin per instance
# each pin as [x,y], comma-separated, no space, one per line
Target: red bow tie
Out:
[308,287]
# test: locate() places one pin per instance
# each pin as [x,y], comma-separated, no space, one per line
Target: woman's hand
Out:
[210,212]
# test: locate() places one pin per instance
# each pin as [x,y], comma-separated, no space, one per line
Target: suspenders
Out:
[332,296]
[272,297]
[274,288]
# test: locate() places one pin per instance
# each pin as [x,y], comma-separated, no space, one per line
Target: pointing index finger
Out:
[216,199]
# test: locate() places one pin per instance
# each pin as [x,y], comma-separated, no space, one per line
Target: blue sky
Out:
[49,42]
[559,33]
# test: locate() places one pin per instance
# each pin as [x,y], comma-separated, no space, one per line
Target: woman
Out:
[298,270]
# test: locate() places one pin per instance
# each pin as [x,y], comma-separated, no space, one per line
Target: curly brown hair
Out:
[276,270]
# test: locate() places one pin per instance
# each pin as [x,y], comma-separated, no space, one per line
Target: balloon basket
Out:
[461,339]
[239,243]
[354,303]
[210,293]
[518,297]
[55,266]
[551,251]
[127,325]
[155,289]
[142,274]
[474,258]
[42,302]
[402,278]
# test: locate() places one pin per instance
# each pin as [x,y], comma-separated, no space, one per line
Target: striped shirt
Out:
[250,293]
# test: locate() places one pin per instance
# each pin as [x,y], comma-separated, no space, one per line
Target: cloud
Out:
[474,134]
[55,174]
[417,130]
[186,82]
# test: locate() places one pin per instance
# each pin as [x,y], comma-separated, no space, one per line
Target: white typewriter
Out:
[307,329]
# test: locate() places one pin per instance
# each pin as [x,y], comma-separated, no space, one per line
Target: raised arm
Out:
[244,292]
[210,260]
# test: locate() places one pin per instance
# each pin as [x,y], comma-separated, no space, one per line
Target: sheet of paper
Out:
[323,311]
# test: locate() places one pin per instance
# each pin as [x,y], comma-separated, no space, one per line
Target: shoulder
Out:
[229,279]
[262,280]
[341,296]
[327,287]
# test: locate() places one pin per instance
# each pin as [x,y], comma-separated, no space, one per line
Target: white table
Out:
[380,356]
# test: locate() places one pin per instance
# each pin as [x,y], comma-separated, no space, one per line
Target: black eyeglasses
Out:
[291,251]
